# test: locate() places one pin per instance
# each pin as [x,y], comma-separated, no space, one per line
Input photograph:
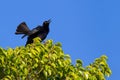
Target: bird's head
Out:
[46,23]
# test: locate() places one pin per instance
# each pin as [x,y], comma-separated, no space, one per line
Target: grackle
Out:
[39,31]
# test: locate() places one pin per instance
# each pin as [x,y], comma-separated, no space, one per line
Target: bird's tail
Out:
[22,29]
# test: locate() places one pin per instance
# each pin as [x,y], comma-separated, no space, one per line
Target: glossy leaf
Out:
[47,61]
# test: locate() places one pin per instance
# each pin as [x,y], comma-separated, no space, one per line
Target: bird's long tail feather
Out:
[22,29]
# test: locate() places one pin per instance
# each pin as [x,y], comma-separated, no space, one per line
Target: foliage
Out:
[47,61]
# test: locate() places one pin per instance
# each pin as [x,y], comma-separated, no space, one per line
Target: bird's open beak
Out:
[49,21]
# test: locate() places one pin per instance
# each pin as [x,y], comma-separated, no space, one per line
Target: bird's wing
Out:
[42,36]
[35,30]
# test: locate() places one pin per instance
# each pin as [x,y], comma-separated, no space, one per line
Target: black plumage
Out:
[39,31]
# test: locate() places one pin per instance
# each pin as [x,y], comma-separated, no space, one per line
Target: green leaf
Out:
[36,59]
[86,75]
[3,52]
[35,65]
[53,65]
[14,69]
[79,62]
[36,40]
[33,51]
[59,62]
[67,56]
[37,48]
[25,71]
[49,72]
[45,73]
[2,58]
[7,78]
[58,44]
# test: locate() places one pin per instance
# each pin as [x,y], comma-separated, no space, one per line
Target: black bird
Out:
[39,31]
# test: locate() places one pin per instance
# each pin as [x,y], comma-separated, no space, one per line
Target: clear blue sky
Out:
[87,29]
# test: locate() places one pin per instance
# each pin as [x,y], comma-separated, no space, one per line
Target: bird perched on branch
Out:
[39,31]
